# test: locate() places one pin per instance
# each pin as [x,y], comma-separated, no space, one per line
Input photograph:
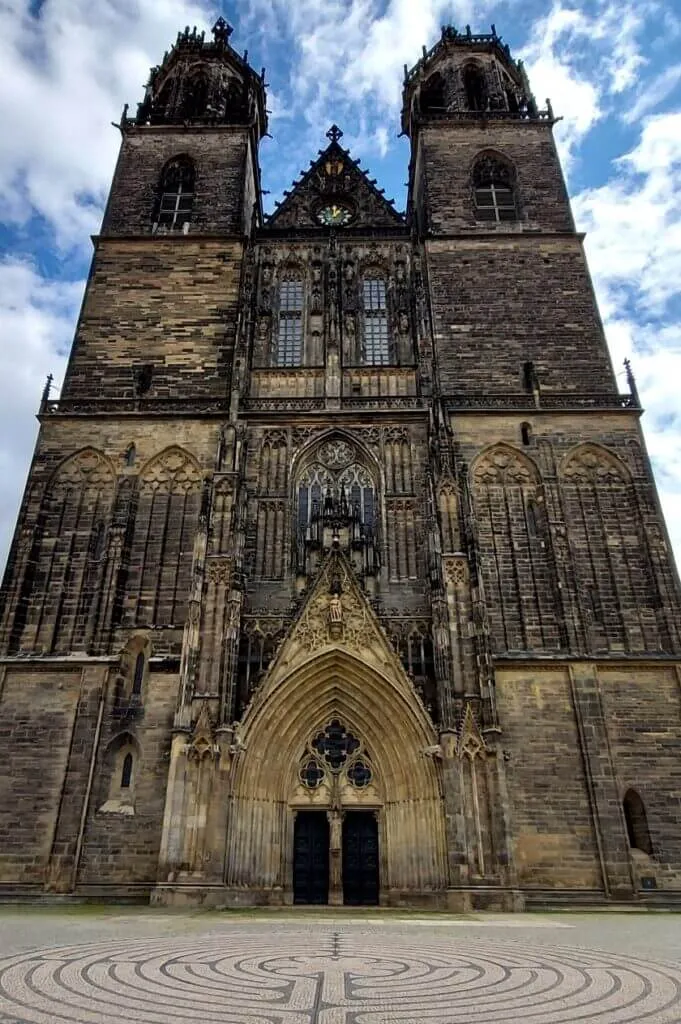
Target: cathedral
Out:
[340,575]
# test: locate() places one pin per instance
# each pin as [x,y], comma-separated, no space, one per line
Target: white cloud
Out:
[581,61]
[63,76]
[652,93]
[36,324]
[633,225]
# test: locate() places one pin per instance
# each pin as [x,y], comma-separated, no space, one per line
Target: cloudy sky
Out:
[611,68]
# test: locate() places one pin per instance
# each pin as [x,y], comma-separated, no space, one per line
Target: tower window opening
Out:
[138,676]
[376,349]
[290,333]
[126,773]
[494,192]
[525,433]
[636,820]
[177,195]
[475,88]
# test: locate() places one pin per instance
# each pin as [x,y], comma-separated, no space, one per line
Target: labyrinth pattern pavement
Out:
[274,976]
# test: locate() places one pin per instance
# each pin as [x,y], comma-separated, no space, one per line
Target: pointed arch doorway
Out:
[335,742]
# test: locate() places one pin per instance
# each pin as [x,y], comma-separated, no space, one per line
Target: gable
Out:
[335,179]
[336,614]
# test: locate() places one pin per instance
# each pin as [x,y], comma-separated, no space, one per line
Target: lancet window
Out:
[376,342]
[176,195]
[289,349]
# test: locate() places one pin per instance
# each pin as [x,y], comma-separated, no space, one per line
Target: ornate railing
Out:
[91,406]
[544,401]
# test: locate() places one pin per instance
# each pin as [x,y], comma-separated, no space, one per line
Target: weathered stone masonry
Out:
[340,573]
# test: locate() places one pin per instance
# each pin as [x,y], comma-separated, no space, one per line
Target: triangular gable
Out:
[336,614]
[335,178]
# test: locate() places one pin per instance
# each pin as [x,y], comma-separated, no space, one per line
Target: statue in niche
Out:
[316,299]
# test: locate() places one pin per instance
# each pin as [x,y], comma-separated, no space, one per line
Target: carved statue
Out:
[335,609]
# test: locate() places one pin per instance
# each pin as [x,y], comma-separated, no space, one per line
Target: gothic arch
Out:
[611,562]
[170,486]
[594,463]
[58,609]
[336,466]
[515,551]
[394,727]
[174,464]
[494,187]
[502,464]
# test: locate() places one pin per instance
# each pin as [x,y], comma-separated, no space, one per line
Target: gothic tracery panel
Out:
[165,530]
[516,562]
[609,549]
[71,544]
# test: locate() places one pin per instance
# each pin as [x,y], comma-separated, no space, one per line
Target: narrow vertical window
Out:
[177,195]
[636,820]
[139,675]
[126,774]
[376,350]
[290,333]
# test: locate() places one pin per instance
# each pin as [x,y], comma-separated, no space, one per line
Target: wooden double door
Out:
[311,858]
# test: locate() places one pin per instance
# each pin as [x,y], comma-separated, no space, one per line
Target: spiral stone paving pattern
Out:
[310,974]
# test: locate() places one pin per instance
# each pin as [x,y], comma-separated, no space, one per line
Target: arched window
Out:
[289,351]
[637,822]
[433,94]
[138,676]
[376,341]
[130,455]
[177,195]
[475,88]
[195,96]
[525,433]
[126,773]
[494,191]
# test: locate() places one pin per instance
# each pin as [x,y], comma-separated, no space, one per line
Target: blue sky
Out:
[611,69]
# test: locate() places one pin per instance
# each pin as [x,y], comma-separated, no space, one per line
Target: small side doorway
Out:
[360,858]
[311,857]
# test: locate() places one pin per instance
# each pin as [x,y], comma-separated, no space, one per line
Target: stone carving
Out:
[202,744]
[456,570]
[88,469]
[596,466]
[174,470]
[336,454]
[470,742]
[219,570]
[504,467]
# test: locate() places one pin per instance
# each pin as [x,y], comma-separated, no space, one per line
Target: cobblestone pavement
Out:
[224,969]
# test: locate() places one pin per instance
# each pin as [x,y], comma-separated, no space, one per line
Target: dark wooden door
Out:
[360,858]
[311,858]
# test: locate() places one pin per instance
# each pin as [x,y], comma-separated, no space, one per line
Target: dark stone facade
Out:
[341,465]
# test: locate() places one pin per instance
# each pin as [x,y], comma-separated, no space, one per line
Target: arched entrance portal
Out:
[337,773]
[335,758]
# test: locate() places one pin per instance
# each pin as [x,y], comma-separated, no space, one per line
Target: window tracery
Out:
[337,507]
[336,751]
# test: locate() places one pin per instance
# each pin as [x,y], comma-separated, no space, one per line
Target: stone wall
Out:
[168,303]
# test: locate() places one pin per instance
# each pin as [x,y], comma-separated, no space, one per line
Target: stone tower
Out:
[340,574]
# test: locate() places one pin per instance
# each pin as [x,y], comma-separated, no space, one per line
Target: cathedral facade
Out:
[340,574]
